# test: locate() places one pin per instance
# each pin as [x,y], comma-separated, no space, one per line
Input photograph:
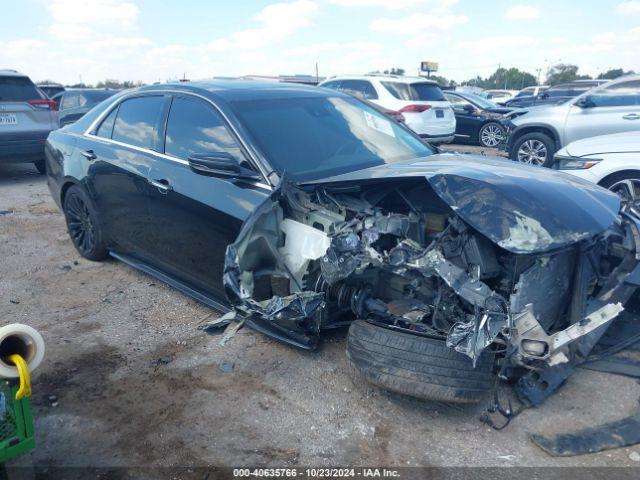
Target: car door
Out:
[74,106]
[195,216]
[611,109]
[70,101]
[466,117]
[118,156]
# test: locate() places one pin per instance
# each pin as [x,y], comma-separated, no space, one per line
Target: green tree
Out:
[117,84]
[564,72]
[394,71]
[504,78]
[614,73]
[443,81]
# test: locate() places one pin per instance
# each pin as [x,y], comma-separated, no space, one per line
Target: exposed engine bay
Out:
[395,253]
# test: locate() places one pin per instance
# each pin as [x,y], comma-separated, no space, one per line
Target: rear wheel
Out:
[491,135]
[41,166]
[83,226]
[418,366]
[627,187]
[534,149]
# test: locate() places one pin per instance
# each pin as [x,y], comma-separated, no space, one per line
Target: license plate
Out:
[8,119]
[439,113]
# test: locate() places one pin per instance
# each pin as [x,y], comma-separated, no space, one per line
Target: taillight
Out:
[44,104]
[415,108]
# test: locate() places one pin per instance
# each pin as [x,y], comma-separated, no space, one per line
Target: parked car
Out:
[535,135]
[477,120]
[419,100]
[611,161]
[303,209]
[51,89]
[525,96]
[26,118]
[499,97]
[557,94]
[73,104]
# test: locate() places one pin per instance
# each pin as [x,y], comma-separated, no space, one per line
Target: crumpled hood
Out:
[628,142]
[523,209]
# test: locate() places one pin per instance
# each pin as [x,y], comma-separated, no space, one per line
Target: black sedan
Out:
[477,119]
[296,210]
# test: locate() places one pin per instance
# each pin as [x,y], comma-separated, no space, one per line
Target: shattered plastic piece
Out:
[620,433]
[217,325]
[231,330]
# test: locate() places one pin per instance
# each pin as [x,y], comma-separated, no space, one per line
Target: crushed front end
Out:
[478,270]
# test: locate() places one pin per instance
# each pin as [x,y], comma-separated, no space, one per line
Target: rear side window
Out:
[70,100]
[359,88]
[415,91]
[138,121]
[623,94]
[334,84]
[195,127]
[18,89]
[106,127]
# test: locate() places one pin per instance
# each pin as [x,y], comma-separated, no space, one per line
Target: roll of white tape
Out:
[23,340]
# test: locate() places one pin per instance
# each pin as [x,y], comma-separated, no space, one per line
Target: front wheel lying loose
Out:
[418,366]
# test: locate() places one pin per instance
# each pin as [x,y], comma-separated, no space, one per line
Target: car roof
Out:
[382,76]
[241,89]
[11,73]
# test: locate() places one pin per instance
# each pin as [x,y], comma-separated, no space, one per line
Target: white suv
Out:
[420,101]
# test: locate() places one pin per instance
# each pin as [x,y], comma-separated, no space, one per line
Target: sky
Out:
[156,40]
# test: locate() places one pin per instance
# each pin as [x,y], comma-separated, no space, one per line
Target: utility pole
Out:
[538,70]
[317,75]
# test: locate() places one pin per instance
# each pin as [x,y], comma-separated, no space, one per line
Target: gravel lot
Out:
[129,381]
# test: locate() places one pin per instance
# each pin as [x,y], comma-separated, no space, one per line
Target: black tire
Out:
[489,128]
[41,166]
[417,366]
[523,144]
[83,225]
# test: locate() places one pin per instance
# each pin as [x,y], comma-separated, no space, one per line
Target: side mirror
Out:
[543,95]
[585,102]
[467,107]
[219,164]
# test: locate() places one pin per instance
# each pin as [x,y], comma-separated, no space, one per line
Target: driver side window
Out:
[622,94]
[193,127]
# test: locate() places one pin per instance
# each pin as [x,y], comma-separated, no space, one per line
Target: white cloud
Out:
[278,20]
[394,4]
[522,13]
[81,19]
[418,22]
[628,8]
[505,42]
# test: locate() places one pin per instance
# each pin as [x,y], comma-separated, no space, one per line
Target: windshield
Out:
[308,138]
[415,91]
[478,100]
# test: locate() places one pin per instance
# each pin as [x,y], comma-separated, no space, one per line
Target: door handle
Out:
[162,185]
[88,154]
[631,116]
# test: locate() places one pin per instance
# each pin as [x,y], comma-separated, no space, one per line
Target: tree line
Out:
[515,79]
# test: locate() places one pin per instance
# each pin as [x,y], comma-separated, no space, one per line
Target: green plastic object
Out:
[16,422]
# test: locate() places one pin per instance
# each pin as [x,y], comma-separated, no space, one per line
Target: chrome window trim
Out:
[88,132]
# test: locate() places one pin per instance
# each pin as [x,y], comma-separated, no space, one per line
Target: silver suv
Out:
[26,118]
[535,135]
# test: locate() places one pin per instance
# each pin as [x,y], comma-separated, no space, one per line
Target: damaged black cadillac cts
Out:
[302,209]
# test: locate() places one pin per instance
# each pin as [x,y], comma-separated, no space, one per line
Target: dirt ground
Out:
[128,380]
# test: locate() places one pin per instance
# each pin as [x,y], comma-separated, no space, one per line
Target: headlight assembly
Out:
[575,163]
